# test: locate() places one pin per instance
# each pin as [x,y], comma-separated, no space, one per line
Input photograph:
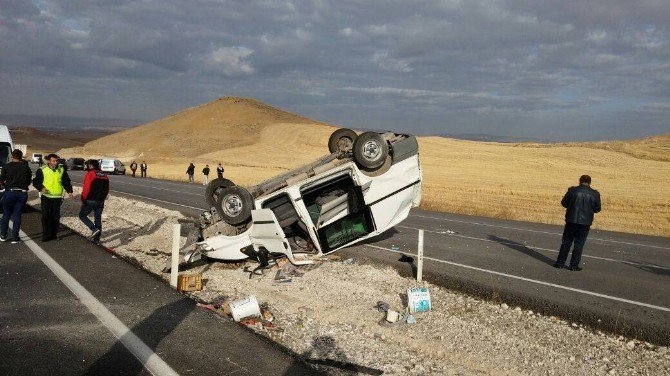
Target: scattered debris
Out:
[349,261]
[392,316]
[418,299]
[382,306]
[245,307]
[189,282]
[282,278]
[410,319]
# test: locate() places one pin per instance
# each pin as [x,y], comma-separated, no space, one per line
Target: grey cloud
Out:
[494,66]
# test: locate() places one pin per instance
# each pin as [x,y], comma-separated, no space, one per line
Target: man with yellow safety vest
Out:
[53,182]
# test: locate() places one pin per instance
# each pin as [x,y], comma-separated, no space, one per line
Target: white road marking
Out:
[152,362]
[586,292]
[539,248]
[536,231]
[160,189]
[157,200]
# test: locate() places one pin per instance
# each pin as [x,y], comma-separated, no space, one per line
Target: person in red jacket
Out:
[93,195]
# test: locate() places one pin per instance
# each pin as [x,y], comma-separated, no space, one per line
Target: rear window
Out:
[79,160]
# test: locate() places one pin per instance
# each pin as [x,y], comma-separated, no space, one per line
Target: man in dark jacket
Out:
[219,171]
[15,178]
[190,171]
[93,195]
[205,172]
[581,203]
[133,167]
[52,181]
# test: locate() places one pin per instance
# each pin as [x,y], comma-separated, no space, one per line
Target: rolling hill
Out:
[522,181]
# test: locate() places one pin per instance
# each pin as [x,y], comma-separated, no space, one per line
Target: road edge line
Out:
[586,292]
[144,354]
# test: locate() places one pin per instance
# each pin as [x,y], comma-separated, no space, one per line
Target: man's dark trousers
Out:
[12,206]
[50,217]
[576,233]
[96,207]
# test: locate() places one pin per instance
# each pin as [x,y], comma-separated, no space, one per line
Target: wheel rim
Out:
[345,143]
[372,150]
[232,205]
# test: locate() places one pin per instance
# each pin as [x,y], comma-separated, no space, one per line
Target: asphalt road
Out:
[624,287]
[69,307]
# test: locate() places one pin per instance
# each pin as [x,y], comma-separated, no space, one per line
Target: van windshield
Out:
[5,153]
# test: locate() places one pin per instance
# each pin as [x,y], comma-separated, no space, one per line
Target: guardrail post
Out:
[419,267]
[174,269]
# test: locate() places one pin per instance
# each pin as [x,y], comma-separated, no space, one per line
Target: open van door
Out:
[266,233]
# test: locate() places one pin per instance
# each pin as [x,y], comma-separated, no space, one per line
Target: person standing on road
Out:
[581,202]
[52,181]
[93,195]
[143,169]
[205,171]
[190,171]
[219,171]
[15,178]
[133,167]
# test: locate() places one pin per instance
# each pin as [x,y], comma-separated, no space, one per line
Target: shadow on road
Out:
[326,354]
[523,249]
[652,268]
[152,330]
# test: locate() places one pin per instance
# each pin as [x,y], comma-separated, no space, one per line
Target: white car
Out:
[112,166]
[36,158]
[367,185]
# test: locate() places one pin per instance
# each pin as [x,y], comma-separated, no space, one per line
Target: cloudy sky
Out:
[553,70]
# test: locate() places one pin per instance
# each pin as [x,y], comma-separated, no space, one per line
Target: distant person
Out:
[143,169]
[219,171]
[15,178]
[205,172]
[40,162]
[133,167]
[93,195]
[190,171]
[581,203]
[52,181]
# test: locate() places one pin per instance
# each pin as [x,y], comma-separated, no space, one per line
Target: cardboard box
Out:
[189,282]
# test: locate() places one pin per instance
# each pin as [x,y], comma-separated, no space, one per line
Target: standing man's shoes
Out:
[15,241]
[3,238]
[558,265]
[95,233]
[575,268]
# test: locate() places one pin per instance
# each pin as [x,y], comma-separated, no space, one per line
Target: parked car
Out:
[112,166]
[36,158]
[367,185]
[62,162]
[76,164]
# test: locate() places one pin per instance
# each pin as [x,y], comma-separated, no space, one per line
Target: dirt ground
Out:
[328,315]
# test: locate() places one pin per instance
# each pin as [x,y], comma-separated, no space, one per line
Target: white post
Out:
[174,270]
[419,267]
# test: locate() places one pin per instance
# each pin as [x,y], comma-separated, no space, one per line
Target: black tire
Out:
[214,188]
[342,139]
[370,150]
[234,205]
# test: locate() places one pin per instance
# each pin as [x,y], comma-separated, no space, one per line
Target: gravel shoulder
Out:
[328,314]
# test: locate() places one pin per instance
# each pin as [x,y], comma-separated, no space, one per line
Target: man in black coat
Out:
[581,203]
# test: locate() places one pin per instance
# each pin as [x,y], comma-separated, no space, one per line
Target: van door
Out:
[267,233]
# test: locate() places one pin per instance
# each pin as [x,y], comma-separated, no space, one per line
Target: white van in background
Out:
[112,166]
[6,145]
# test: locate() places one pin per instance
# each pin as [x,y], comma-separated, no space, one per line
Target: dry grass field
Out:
[514,181]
